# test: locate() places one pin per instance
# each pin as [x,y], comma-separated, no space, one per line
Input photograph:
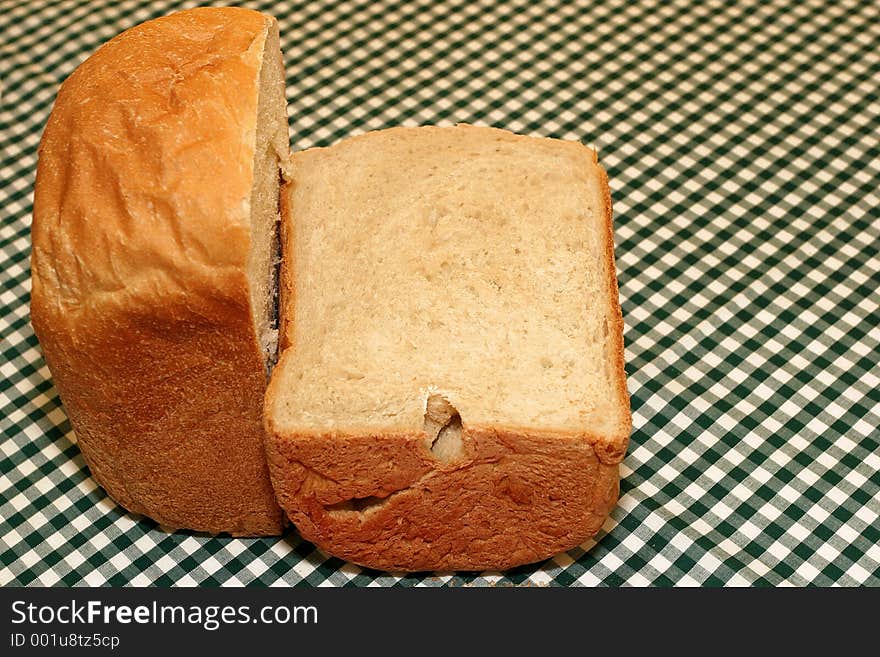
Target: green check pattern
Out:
[741,140]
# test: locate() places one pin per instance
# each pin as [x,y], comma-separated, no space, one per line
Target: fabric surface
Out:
[741,141]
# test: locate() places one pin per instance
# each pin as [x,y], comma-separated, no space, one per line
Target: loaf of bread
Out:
[154,257]
[451,390]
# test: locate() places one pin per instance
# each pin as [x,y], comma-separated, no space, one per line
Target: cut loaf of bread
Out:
[451,391]
[154,251]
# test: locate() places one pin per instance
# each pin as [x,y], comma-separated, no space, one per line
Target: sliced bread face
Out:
[452,392]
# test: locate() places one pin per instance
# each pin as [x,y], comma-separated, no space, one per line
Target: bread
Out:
[451,391]
[154,251]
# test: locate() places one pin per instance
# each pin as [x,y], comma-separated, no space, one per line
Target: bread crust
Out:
[613,448]
[384,501]
[515,498]
[140,296]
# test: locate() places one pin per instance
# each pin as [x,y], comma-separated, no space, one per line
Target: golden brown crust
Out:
[286,283]
[513,499]
[516,496]
[614,449]
[140,299]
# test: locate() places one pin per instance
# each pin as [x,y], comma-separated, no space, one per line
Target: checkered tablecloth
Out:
[741,140]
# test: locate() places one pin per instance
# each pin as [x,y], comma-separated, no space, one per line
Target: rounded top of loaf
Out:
[146,165]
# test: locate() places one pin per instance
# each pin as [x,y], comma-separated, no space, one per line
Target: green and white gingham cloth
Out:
[741,141]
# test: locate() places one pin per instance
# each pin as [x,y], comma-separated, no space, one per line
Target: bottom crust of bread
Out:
[386,502]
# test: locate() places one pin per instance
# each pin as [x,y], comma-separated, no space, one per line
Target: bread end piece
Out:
[154,214]
[427,412]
